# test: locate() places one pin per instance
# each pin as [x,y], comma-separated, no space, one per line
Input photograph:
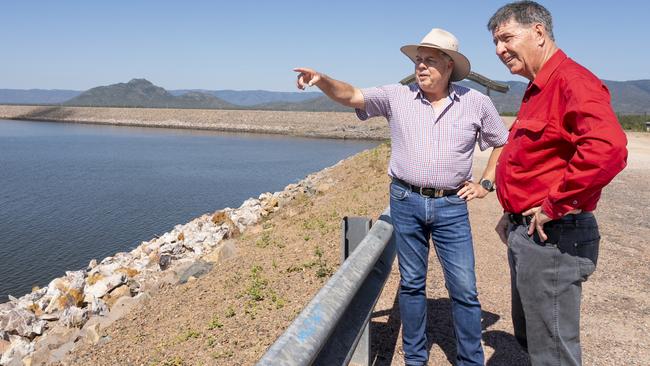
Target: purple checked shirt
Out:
[434,150]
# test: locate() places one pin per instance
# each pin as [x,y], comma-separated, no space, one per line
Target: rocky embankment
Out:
[308,124]
[42,326]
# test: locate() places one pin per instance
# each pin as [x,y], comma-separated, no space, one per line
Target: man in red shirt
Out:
[564,147]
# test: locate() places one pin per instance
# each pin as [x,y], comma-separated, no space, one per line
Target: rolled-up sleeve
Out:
[493,132]
[376,103]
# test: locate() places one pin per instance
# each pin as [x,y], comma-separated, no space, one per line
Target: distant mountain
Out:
[319,104]
[628,97]
[255,97]
[36,96]
[142,93]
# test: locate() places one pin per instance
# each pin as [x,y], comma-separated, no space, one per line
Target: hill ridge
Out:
[628,97]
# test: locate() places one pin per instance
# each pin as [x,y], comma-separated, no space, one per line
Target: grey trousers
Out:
[546,283]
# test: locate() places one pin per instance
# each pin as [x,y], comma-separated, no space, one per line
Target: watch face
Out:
[487,184]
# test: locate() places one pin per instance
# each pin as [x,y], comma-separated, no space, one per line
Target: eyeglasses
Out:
[429,61]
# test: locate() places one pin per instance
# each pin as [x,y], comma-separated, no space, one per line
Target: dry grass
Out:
[231,316]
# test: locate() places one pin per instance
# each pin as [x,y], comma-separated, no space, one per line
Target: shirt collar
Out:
[549,68]
[453,95]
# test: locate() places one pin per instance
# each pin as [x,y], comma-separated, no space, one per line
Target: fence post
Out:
[353,230]
[328,329]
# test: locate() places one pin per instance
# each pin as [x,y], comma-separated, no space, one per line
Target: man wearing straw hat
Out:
[434,126]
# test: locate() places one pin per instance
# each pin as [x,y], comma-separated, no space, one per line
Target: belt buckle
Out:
[519,219]
[432,192]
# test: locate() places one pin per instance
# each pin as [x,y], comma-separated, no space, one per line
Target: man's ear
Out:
[540,33]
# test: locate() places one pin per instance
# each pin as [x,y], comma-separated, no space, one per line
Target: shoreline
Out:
[333,125]
[42,326]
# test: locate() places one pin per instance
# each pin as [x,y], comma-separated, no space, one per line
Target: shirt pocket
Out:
[528,139]
[464,133]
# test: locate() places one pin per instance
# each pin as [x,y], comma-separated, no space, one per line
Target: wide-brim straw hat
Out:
[446,42]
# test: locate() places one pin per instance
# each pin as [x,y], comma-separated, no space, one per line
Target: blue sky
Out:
[245,44]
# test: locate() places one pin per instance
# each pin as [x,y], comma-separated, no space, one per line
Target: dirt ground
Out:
[233,314]
[616,298]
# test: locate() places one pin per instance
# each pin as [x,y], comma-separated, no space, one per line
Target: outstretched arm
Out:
[338,91]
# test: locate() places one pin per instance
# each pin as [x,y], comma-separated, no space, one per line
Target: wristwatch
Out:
[487,184]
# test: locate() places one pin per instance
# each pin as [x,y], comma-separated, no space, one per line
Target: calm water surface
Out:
[70,193]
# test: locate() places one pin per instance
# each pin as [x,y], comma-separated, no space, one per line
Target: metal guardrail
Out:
[328,330]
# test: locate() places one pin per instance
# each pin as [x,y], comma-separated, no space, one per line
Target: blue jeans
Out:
[417,218]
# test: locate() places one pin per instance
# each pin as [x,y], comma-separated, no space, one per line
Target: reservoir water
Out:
[70,193]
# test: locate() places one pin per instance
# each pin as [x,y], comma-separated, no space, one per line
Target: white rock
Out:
[29,300]
[92,333]
[169,237]
[50,317]
[4,346]
[20,347]
[6,308]
[54,287]
[53,340]
[265,196]
[152,246]
[125,304]
[200,237]
[74,317]
[92,264]
[123,258]
[22,322]
[103,286]
[141,263]
[63,292]
[224,251]
[75,279]
[137,253]
[248,214]
[97,307]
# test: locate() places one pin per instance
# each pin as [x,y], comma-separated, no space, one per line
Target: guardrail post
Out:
[353,230]
[328,330]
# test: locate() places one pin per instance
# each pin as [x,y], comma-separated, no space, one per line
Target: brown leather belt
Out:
[427,192]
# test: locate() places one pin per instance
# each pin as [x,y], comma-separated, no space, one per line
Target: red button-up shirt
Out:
[565,145]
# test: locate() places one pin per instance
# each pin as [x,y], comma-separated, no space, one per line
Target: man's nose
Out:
[500,48]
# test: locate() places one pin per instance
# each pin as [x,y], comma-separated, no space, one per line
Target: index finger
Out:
[302,69]
[540,231]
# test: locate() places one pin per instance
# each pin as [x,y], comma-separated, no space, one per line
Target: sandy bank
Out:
[307,124]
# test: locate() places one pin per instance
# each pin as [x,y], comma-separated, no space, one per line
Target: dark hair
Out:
[524,13]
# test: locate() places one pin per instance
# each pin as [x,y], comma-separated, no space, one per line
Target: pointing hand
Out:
[306,77]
